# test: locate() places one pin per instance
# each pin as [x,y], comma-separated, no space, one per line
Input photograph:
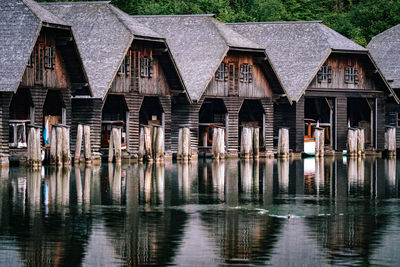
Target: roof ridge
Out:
[275,22]
[174,15]
[28,4]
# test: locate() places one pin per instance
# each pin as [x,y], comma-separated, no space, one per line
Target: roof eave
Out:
[247,49]
[347,51]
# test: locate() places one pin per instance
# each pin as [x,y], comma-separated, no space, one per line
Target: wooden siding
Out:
[268,106]
[232,105]
[257,88]
[132,81]
[5,99]
[134,102]
[380,123]
[341,122]
[87,111]
[52,78]
[339,62]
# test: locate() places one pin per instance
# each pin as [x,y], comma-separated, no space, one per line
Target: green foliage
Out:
[359,20]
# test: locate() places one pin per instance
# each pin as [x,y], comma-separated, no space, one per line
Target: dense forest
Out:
[359,20]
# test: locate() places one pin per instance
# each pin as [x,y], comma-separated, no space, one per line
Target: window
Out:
[246,73]
[222,72]
[31,60]
[351,75]
[125,66]
[50,57]
[325,74]
[39,64]
[146,67]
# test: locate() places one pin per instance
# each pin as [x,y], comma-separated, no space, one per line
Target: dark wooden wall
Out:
[5,99]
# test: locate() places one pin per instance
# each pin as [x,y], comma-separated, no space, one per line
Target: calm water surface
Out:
[342,212]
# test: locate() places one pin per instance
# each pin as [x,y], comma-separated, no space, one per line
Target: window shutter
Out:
[346,74]
[319,75]
[142,72]
[329,74]
[250,74]
[355,75]
[150,67]
[241,72]
[225,72]
[127,64]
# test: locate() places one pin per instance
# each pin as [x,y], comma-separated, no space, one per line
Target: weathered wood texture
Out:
[232,105]
[258,87]
[338,63]
[268,106]
[5,99]
[87,111]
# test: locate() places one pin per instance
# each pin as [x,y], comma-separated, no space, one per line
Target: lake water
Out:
[268,212]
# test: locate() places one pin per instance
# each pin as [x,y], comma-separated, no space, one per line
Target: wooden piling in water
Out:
[111,146]
[87,146]
[53,146]
[221,133]
[180,143]
[78,145]
[159,143]
[319,136]
[360,142]
[59,145]
[218,145]
[186,148]
[256,143]
[390,141]
[283,143]
[148,143]
[117,143]
[141,152]
[245,143]
[66,153]
[352,142]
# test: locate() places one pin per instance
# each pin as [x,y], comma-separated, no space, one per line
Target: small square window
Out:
[125,66]
[325,74]
[351,75]
[222,72]
[146,67]
[246,73]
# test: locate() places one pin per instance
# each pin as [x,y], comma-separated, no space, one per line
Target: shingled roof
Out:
[385,50]
[297,50]
[198,43]
[20,25]
[103,34]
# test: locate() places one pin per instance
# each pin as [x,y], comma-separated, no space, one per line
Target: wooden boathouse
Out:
[131,73]
[229,79]
[331,80]
[385,50]
[40,69]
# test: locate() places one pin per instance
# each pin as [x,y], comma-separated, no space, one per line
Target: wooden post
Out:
[390,141]
[215,144]
[256,143]
[59,144]
[66,154]
[147,143]
[283,143]
[221,138]
[111,146]
[53,146]
[186,149]
[180,143]
[141,152]
[352,142]
[158,132]
[245,143]
[31,146]
[205,139]
[319,141]
[361,142]
[78,145]
[117,143]
[87,147]
[36,151]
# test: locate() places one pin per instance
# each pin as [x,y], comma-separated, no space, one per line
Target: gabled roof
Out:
[198,43]
[103,34]
[20,25]
[297,50]
[385,50]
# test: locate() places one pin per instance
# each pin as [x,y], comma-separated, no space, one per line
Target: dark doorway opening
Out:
[21,113]
[53,112]
[212,114]
[361,113]
[151,112]
[251,114]
[114,114]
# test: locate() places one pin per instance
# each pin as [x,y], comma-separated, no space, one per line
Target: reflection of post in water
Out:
[246,175]
[356,174]
[115,182]
[256,177]
[152,182]
[183,179]
[78,184]
[159,173]
[319,173]
[283,174]
[268,181]
[33,186]
[218,178]
[232,184]
[390,175]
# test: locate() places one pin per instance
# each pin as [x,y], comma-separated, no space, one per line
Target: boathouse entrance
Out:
[361,113]
[212,114]
[320,110]
[54,111]
[115,113]
[21,114]
[151,112]
[252,114]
